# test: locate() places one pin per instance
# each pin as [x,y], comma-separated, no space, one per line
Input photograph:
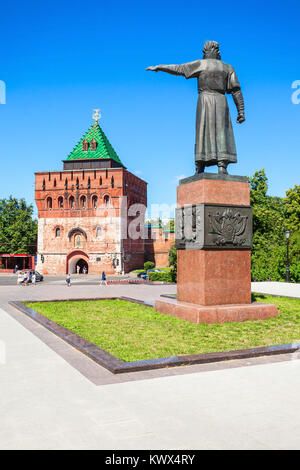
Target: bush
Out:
[268,262]
[295,272]
[163,277]
[148,265]
[173,263]
[269,259]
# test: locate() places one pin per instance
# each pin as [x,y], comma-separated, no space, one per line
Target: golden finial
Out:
[96,115]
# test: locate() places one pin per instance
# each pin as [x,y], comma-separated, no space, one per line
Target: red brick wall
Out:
[58,250]
[55,188]
[158,245]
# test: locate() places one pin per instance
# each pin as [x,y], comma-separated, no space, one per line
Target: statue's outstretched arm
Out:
[239,102]
[173,69]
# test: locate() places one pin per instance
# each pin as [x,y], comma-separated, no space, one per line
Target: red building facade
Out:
[83,216]
[158,244]
[9,262]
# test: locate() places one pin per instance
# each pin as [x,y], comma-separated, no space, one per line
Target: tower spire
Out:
[86,149]
[96,115]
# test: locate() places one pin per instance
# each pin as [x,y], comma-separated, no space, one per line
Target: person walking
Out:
[68,280]
[26,278]
[33,279]
[20,278]
[103,279]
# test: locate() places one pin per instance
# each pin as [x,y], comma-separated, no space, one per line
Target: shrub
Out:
[163,277]
[148,265]
[295,272]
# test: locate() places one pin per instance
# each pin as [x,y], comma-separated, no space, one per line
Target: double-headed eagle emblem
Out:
[228,225]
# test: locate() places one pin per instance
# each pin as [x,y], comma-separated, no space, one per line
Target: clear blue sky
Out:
[62,59]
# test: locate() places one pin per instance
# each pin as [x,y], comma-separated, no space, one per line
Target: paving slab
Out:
[53,397]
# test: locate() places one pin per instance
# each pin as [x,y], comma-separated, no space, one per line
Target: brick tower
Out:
[83,211]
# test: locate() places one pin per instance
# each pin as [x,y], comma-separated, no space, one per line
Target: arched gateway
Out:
[77,259]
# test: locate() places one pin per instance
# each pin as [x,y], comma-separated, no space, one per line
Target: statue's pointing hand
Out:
[153,68]
[241,118]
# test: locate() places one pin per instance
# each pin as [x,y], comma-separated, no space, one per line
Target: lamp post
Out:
[287,236]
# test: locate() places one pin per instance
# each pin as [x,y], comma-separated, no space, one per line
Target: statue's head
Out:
[211,50]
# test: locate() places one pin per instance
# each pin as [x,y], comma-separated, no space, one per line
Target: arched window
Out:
[77,183]
[72,202]
[66,183]
[44,185]
[78,241]
[83,202]
[112,182]
[85,145]
[54,183]
[98,232]
[49,203]
[100,181]
[60,202]
[93,144]
[89,183]
[106,200]
[94,202]
[57,232]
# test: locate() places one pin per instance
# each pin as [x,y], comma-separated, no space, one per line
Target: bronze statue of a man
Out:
[214,135]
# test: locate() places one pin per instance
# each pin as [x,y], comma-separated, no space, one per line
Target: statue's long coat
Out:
[214,134]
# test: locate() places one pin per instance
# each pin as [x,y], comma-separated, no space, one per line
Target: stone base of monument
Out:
[197,313]
[213,232]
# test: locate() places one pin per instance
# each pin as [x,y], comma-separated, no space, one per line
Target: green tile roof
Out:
[104,148]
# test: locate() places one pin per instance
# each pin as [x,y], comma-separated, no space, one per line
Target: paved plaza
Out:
[54,397]
[282,289]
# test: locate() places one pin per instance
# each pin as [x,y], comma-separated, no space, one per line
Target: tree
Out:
[170,225]
[18,229]
[173,262]
[167,225]
[292,208]
[154,222]
[271,217]
[292,215]
[268,219]
[258,187]
[268,211]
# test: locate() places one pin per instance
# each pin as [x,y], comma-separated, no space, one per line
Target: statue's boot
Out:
[200,167]
[222,168]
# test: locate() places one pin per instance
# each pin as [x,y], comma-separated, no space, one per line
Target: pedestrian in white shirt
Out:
[20,278]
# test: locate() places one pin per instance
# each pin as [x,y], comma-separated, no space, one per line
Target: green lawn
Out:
[133,332]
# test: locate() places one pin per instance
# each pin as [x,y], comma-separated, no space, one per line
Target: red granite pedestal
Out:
[214,285]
